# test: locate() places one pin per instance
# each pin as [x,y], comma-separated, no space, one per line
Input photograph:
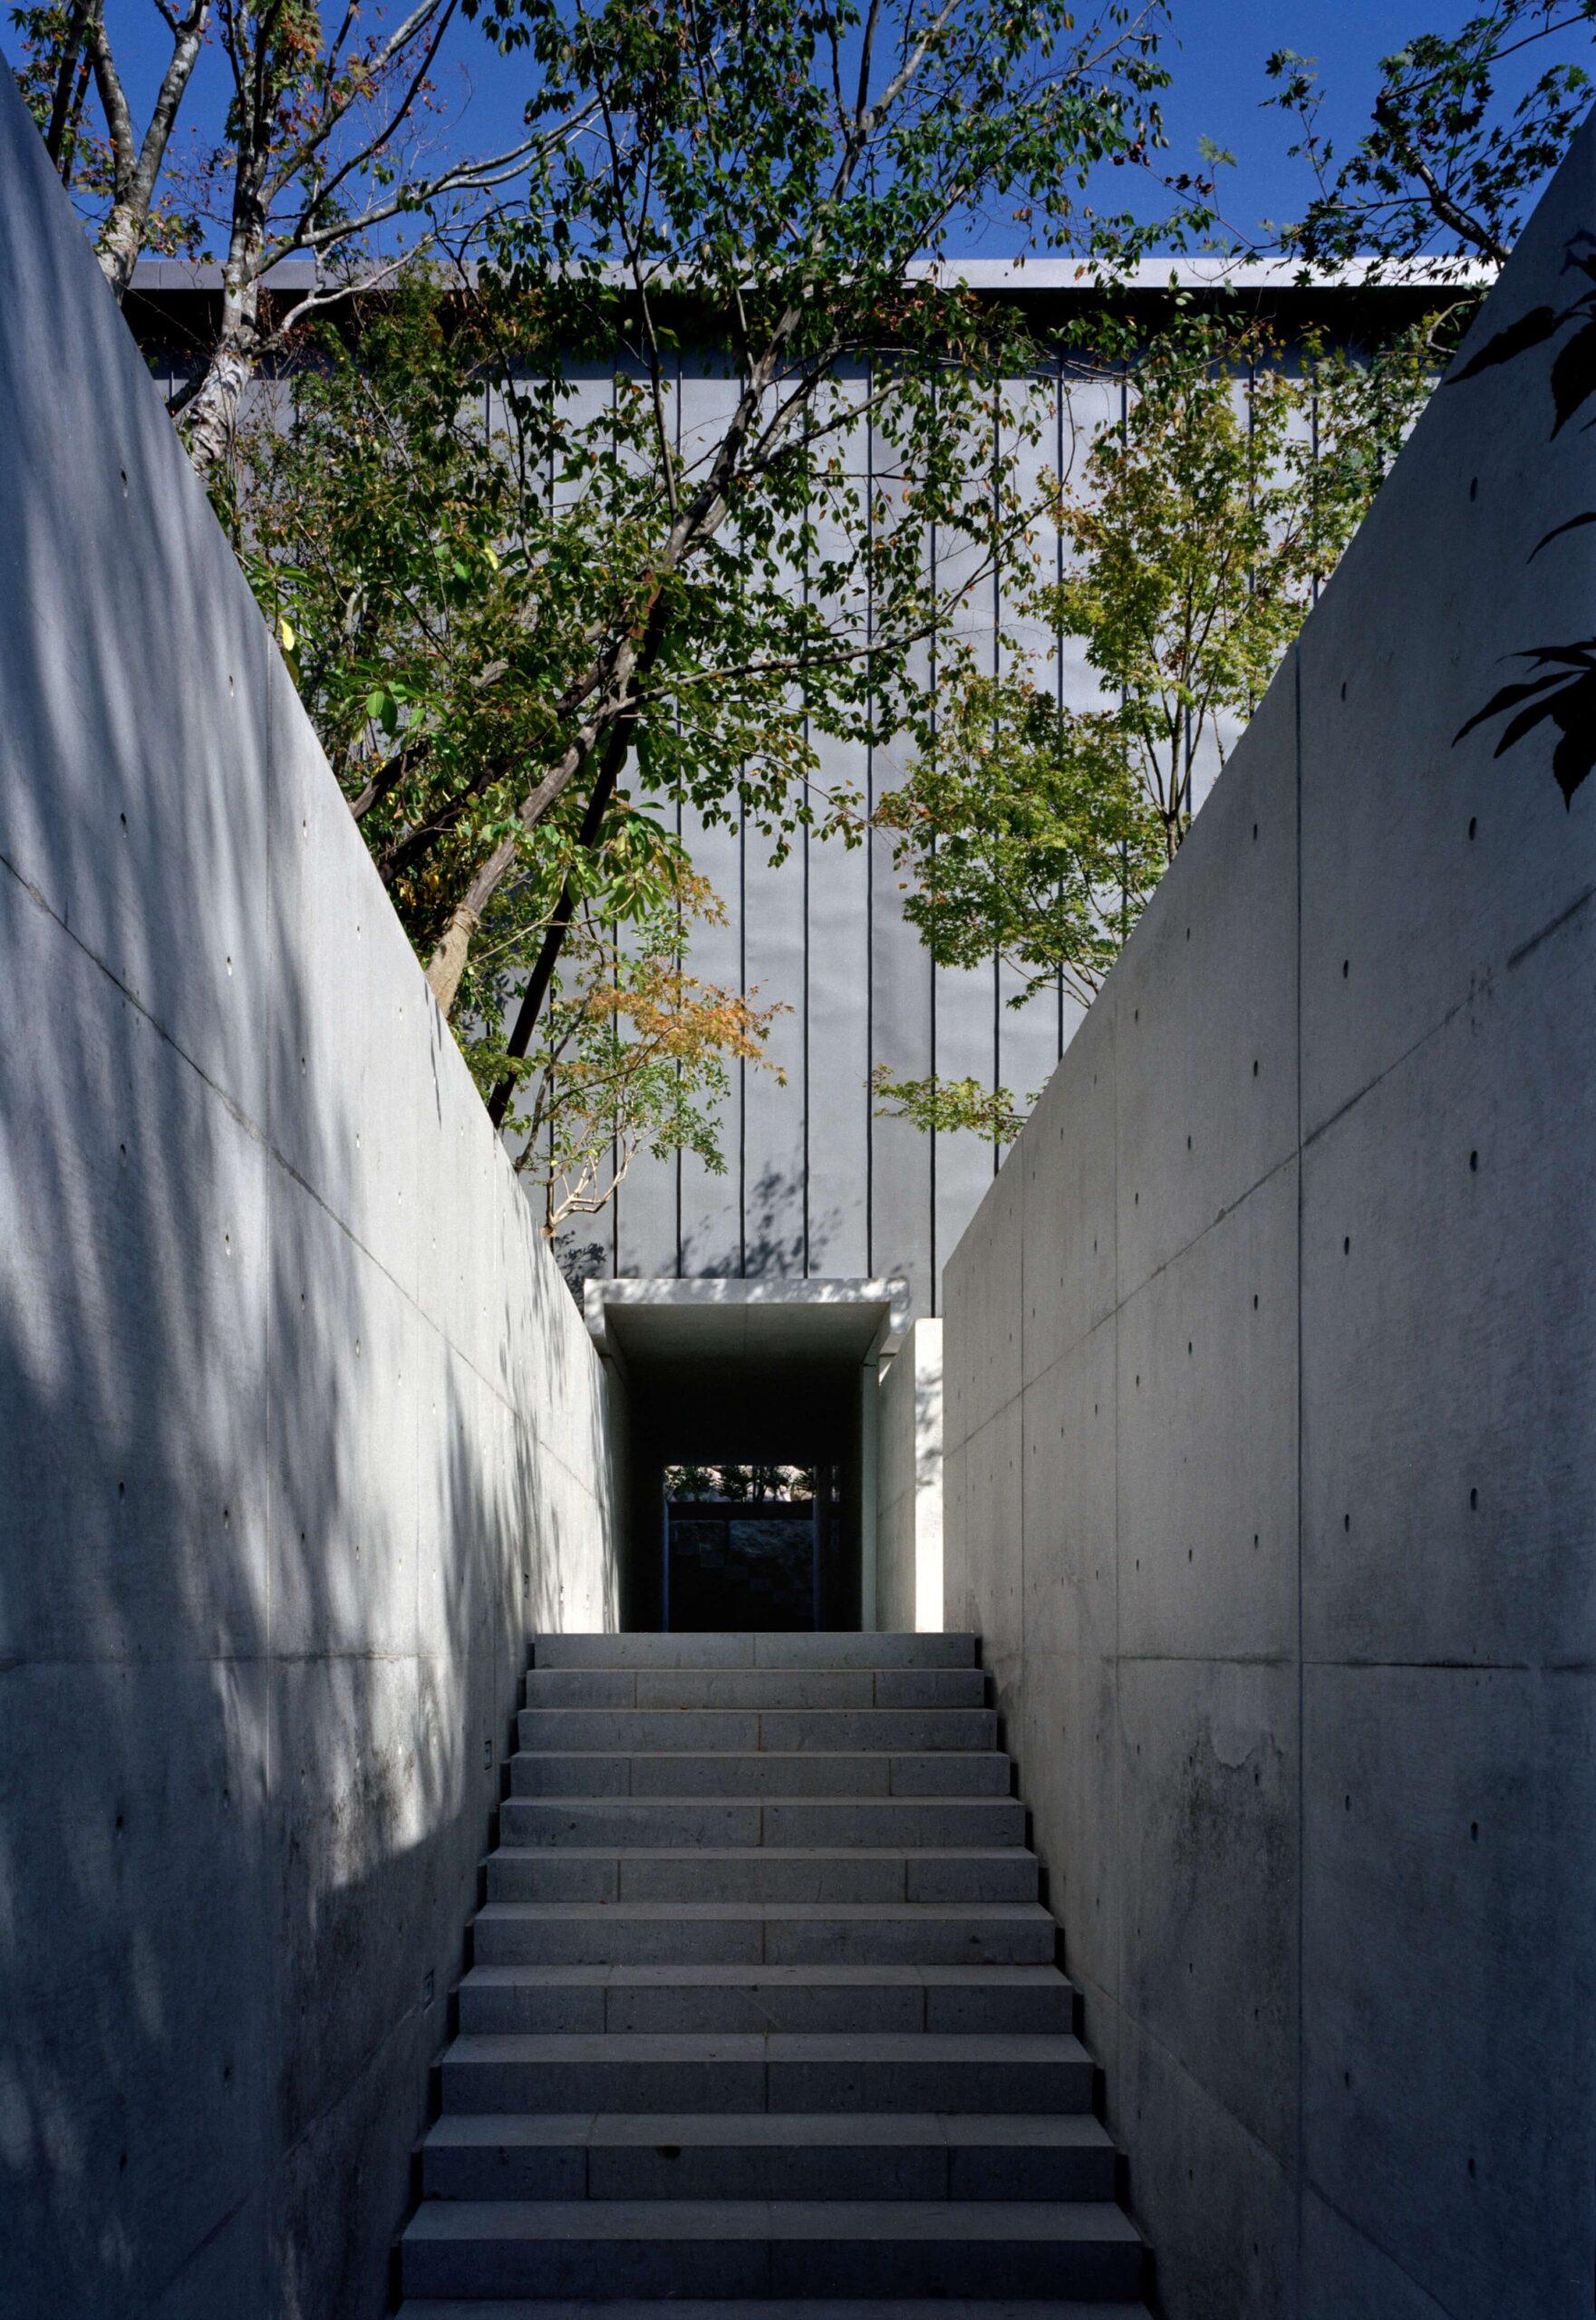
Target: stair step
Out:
[589,2000]
[770,1933]
[629,1731]
[761,1873]
[635,1651]
[722,1821]
[758,2247]
[767,2309]
[769,2154]
[756,1687]
[546,1772]
[776,2071]
[764,2018]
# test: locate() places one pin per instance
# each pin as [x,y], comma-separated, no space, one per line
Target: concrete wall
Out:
[1271,1472]
[909,1495]
[301,1435]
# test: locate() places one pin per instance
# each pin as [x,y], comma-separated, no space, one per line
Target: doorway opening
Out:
[750,1548]
[749,1413]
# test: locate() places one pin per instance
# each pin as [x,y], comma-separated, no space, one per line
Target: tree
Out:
[1197,538]
[324,146]
[1448,163]
[710,602]
[632,1053]
[119,170]
[379,526]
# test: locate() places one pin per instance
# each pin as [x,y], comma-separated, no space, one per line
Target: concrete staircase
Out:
[763,2013]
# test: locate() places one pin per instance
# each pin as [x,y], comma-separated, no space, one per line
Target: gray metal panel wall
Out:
[816,1183]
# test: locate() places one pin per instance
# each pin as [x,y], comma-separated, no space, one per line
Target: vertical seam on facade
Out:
[997,673]
[869,827]
[676,1156]
[930,959]
[1058,631]
[804,1030]
[743,1060]
[615,933]
[1302,1673]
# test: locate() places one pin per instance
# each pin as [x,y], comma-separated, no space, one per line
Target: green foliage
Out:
[631,1053]
[1028,834]
[1197,535]
[535,622]
[1447,166]
[409,561]
[763,192]
[1202,530]
[740,1484]
[949,1106]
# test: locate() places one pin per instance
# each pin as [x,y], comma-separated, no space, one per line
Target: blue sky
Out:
[1217,58]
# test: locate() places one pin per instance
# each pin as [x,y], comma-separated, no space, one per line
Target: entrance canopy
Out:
[647,1322]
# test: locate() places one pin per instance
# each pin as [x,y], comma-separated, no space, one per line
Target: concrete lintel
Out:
[874,1312]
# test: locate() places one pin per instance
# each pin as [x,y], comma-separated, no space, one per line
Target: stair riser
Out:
[661,1823]
[540,2009]
[819,1941]
[657,1651]
[770,1875]
[686,1689]
[543,1774]
[723,2268]
[686,2085]
[729,2170]
[747,1731]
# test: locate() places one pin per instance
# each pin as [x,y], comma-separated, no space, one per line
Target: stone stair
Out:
[763,2014]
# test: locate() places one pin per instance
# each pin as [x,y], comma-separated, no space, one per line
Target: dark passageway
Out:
[778,1374]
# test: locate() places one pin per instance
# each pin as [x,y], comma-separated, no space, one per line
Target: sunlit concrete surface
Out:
[1271,1485]
[301,1435]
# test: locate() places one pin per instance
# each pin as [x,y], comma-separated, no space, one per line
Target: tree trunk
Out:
[136,166]
[121,240]
[448,962]
[211,418]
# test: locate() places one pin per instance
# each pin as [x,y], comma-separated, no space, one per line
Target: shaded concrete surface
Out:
[301,1435]
[909,1485]
[1270,1413]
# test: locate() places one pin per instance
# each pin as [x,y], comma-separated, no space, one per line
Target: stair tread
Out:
[841,2219]
[911,1912]
[755,1852]
[862,2307]
[820,2130]
[715,1977]
[590,1803]
[744,2046]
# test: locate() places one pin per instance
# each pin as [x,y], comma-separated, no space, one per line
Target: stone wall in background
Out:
[1272,1427]
[301,1435]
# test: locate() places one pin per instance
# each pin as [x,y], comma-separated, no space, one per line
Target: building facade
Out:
[819,1185]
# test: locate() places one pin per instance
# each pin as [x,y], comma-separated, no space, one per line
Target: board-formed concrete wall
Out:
[908,1498]
[1272,1422]
[301,1435]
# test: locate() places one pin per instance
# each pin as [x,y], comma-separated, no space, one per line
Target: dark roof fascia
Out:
[172,305]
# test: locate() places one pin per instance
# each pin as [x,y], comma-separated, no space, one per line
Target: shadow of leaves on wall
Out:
[1566,694]
[1574,369]
[1561,689]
